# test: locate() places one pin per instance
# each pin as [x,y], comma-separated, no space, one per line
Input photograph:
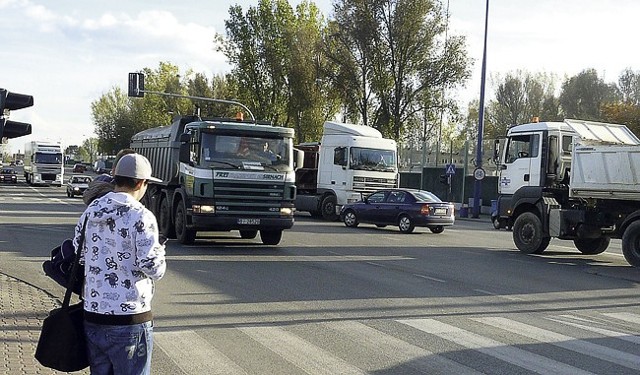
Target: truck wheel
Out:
[166,227]
[527,234]
[185,235]
[328,208]
[405,224]
[631,244]
[350,219]
[592,246]
[271,237]
[437,229]
[248,234]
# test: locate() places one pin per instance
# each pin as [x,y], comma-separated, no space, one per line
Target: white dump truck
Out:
[350,161]
[573,180]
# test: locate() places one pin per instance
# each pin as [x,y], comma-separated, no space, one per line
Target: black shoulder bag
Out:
[62,344]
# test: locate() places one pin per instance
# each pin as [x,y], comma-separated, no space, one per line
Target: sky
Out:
[68,53]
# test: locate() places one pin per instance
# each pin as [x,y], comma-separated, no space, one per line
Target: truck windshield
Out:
[372,159]
[48,158]
[248,152]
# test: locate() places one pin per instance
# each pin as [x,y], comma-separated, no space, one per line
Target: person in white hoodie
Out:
[122,256]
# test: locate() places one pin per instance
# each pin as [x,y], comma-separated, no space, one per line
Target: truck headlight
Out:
[198,209]
[286,211]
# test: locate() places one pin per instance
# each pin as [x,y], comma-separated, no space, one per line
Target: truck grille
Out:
[250,198]
[368,185]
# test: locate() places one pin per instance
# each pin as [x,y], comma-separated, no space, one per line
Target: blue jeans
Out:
[119,349]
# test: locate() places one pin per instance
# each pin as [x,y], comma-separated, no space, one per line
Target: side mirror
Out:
[185,156]
[299,159]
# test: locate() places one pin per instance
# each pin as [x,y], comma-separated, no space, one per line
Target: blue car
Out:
[406,208]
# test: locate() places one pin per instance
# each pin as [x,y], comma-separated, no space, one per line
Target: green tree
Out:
[398,49]
[583,95]
[521,97]
[117,117]
[629,86]
[257,45]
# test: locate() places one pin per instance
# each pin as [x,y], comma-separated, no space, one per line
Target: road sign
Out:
[450,169]
[479,174]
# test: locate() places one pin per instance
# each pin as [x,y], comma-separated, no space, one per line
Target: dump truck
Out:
[349,163]
[573,180]
[220,174]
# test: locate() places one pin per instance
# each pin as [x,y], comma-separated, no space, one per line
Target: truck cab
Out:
[349,163]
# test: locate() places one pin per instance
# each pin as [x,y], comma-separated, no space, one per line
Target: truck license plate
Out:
[249,221]
[441,211]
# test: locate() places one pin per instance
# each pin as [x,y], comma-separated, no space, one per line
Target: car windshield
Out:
[425,196]
[8,171]
[251,152]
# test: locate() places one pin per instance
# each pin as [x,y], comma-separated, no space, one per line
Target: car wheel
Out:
[350,219]
[437,229]
[405,224]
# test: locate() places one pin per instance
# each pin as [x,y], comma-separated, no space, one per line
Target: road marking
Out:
[519,357]
[194,355]
[285,258]
[429,278]
[308,357]
[627,317]
[602,331]
[566,342]
[399,351]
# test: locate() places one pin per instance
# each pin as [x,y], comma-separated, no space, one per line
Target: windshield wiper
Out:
[226,163]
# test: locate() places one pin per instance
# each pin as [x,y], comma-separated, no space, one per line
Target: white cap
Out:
[135,166]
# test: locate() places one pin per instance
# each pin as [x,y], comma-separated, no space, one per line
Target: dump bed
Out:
[605,163]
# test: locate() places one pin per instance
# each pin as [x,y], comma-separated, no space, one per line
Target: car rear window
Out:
[425,196]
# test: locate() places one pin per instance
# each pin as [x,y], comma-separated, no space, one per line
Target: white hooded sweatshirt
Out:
[121,254]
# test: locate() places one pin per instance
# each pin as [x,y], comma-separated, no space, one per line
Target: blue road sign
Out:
[450,169]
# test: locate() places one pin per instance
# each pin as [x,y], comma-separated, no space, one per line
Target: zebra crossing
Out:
[581,343]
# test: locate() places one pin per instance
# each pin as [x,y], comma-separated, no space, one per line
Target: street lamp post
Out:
[477,190]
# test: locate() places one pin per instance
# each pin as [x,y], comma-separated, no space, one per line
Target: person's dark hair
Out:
[128,182]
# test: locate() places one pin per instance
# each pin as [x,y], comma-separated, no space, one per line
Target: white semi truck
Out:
[43,163]
[573,180]
[350,161]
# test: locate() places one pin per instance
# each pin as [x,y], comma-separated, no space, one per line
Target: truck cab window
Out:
[522,146]
[340,156]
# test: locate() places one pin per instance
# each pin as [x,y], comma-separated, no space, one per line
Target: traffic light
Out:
[444,179]
[11,101]
[136,85]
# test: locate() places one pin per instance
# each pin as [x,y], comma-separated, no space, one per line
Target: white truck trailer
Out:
[350,161]
[43,163]
[573,180]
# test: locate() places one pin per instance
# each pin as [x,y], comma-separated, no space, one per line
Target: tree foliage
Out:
[117,118]
[277,64]
[583,95]
[395,57]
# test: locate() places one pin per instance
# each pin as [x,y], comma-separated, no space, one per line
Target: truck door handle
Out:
[526,177]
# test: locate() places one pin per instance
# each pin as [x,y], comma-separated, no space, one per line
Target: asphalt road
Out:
[331,299]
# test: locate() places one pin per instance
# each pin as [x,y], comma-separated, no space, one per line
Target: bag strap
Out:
[74,267]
